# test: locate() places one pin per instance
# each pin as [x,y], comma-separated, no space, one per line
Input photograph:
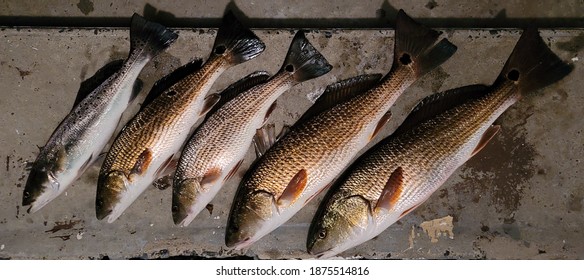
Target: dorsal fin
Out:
[100,76]
[169,80]
[340,92]
[238,87]
[294,189]
[438,103]
[391,191]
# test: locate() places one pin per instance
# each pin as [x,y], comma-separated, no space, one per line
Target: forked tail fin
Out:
[304,61]
[149,38]
[236,41]
[532,65]
[414,46]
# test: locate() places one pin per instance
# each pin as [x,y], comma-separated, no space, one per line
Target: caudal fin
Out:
[236,41]
[149,38]
[304,61]
[532,65]
[414,46]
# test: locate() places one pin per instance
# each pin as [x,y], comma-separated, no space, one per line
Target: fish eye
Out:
[220,50]
[513,75]
[405,59]
[322,233]
[174,208]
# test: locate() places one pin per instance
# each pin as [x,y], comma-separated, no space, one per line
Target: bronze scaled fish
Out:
[217,148]
[146,145]
[442,132]
[325,140]
[82,135]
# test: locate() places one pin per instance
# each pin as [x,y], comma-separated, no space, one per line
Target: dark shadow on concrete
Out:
[383,18]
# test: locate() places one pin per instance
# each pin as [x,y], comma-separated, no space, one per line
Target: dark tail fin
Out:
[304,61]
[236,41]
[149,37]
[532,65]
[413,46]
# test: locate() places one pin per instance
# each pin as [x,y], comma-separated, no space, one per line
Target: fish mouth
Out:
[41,188]
[244,244]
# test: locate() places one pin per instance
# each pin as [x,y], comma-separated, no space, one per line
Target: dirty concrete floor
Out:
[521,197]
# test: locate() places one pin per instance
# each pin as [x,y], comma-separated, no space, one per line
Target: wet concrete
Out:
[521,197]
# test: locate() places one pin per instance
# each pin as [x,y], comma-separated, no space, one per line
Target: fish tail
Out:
[304,61]
[414,46]
[149,38]
[532,65]
[236,42]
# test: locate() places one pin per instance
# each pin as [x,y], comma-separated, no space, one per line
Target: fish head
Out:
[42,186]
[183,198]
[109,190]
[250,219]
[340,225]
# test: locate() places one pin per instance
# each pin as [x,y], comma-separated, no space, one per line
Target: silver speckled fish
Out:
[82,135]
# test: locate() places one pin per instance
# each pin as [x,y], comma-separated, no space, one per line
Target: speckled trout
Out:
[318,147]
[85,131]
[216,150]
[441,133]
[146,145]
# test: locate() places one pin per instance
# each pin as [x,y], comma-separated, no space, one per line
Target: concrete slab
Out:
[521,197]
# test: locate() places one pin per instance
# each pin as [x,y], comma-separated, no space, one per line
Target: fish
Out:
[216,150]
[439,135]
[82,135]
[147,144]
[344,119]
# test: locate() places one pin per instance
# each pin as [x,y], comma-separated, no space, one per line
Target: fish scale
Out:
[342,122]
[145,147]
[326,144]
[442,132]
[216,150]
[151,126]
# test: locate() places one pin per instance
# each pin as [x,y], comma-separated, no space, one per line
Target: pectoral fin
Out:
[211,176]
[294,189]
[142,163]
[487,136]
[233,171]
[391,192]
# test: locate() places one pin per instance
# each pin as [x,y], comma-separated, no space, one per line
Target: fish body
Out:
[439,135]
[218,147]
[307,159]
[79,139]
[147,144]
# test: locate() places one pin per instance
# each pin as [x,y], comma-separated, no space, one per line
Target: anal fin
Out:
[392,190]
[210,102]
[486,138]
[269,112]
[384,119]
[294,189]
[264,138]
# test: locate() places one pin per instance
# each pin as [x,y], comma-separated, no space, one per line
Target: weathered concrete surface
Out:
[521,197]
[297,14]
